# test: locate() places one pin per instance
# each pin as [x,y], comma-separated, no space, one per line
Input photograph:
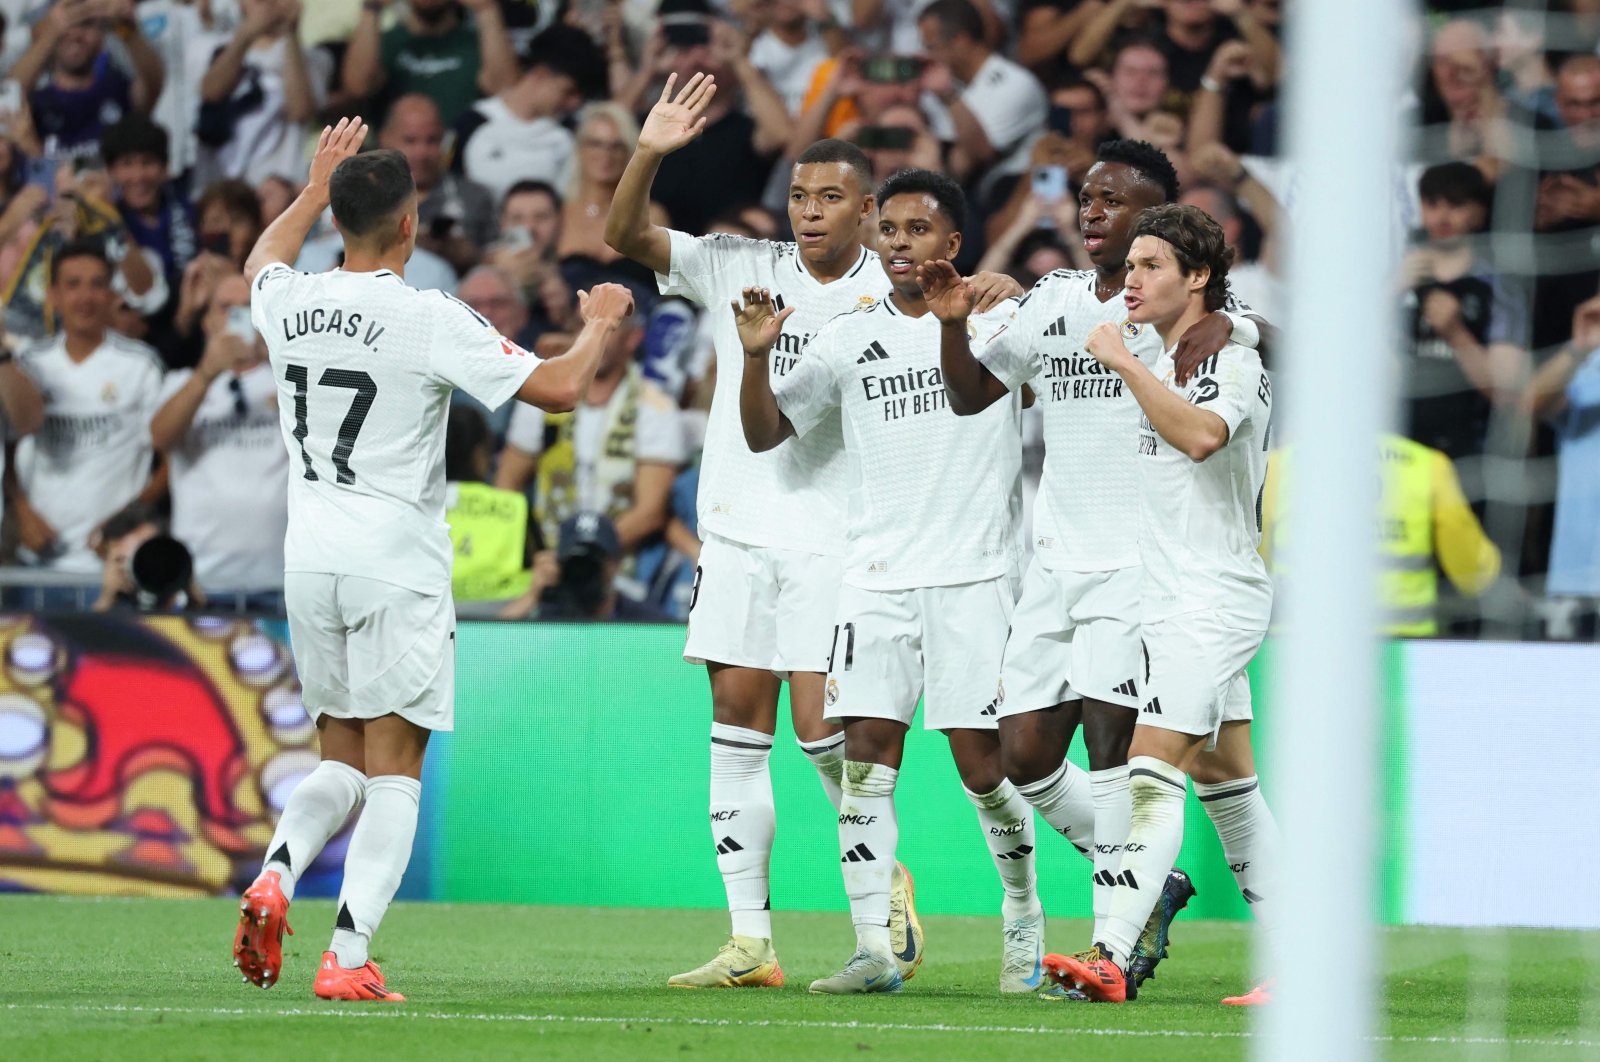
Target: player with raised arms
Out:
[1073,656]
[930,572]
[1204,598]
[365,366]
[772,523]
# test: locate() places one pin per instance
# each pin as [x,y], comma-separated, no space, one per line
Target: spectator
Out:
[1572,198]
[500,569]
[229,218]
[495,296]
[590,556]
[218,427]
[795,37]
[900,139]
[747,125]
[1465,321]
[1566,389]
[275,193]
[1464,106]
[1078,125]
[185,35]
[92,456]
[1046,31]
[843,98]
[80,88]
[518,134]
[994,106]
[1248,278]
[155,211]
[455,216]
[616,454]
[1525,75]
[892,25]
[607,134]
[143,567]
[1136,87]
[1042,237]
[1194,30]
[21,404]
[530,230]
[430,51]
[259,95]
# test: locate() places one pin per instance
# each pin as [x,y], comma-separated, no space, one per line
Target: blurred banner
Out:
[152,755]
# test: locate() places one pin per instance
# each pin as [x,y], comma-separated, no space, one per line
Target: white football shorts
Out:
[754,606]
[943,643]
[366,648]
[1195,673]
[1074,634]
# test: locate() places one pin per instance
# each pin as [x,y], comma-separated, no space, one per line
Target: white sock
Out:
[868,836]
[743,822]
[1063,801]
[1113,812]
[380,848]
[827,756]
[315,811]
[1151,849]
[1007,824]
[1249,837]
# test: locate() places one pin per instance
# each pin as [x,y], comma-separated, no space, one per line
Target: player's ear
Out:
[1199,279]
[953,247]
[869,205]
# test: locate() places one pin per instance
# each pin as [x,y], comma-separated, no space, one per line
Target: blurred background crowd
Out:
[147,144]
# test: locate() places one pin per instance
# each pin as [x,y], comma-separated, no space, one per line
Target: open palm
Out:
[759,320]
[336,144]
[676,120]
[949,296]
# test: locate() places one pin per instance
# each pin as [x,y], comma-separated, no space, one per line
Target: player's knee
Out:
[1107,749]
[1024,763]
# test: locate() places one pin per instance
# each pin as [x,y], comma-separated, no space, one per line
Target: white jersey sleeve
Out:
[468,353]
[699,261]
[1225,386]
[1005,342]
[526,430]
[811,389]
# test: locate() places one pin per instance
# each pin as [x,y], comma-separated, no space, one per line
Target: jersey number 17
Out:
[366,392]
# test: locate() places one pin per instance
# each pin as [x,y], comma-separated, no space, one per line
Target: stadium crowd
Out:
[146,145]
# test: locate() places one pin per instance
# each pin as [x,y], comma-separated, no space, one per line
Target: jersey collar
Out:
[861,263]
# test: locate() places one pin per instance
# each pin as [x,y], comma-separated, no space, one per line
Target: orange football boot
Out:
[263,920]
[1258,995]
[1092,972]
[335,982]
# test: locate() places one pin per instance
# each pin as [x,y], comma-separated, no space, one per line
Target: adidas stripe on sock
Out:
[868,836]
[743,823]
[1154,837]
[316,809]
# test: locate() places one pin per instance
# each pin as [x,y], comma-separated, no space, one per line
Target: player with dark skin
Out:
[1112,197]
[827,205]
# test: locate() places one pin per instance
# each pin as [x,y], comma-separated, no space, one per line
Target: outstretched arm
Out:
[559,383]
[971,387]
[759,323]
[673,122]
[283,238]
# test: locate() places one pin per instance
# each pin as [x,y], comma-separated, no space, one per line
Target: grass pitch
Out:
[133,979]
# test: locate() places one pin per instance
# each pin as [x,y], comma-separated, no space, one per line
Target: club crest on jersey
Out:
[866,302]
[1130,329]
[108,393]
[831,695]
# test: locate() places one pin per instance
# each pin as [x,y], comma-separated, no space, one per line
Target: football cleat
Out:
[1258,995]
[1092,972]
[263,920]
[865,972]
[905,930]
[743,962]
[1022,954]
[1058,993]
[1176,892]
[366,982]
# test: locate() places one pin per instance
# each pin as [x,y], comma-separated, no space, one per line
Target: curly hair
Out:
[1149,161]
[944,190]
[1196,241]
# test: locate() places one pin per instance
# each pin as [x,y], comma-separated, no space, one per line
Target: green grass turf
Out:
[133,979]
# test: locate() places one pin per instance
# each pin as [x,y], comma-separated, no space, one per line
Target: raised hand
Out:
[676,120]
[949,296]
[337,143]
[1106,344]
[992,289]
[759,321]
[605,302]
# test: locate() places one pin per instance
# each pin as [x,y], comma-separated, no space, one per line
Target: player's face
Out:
[1156,289]
[911,232]
[81,292]
[826,207]
[1113,194]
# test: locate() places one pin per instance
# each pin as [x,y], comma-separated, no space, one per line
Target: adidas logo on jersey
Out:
[872,353]
[1058,327]
[1153,706]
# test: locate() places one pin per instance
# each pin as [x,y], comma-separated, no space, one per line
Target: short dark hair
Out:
[133,134]
[236,197]
[84,247]
[530,187]
[368,188]
[464,431]
[945,191]
[955,16]
[1071,81]
[569,52]
[1149,161]
[1457,183]
[1196,240]
[836,150]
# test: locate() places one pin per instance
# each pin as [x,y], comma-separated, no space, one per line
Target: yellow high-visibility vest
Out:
[489,533]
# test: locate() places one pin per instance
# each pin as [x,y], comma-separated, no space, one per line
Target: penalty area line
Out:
[397,1014]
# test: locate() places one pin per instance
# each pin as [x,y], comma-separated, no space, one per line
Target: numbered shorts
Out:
[366,648]
[1194,673]
[753,606]
[1074,634]
[943,643]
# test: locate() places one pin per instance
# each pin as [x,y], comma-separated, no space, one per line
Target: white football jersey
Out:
[229,481]
[1200,521]
[364,368]
[92,456]
[934,499]
[791,497]
[1086,512]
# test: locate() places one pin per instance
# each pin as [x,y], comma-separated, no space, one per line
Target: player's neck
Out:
[1172,329]
[834,268]
[910,305]
[394,260]
[1108,283]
